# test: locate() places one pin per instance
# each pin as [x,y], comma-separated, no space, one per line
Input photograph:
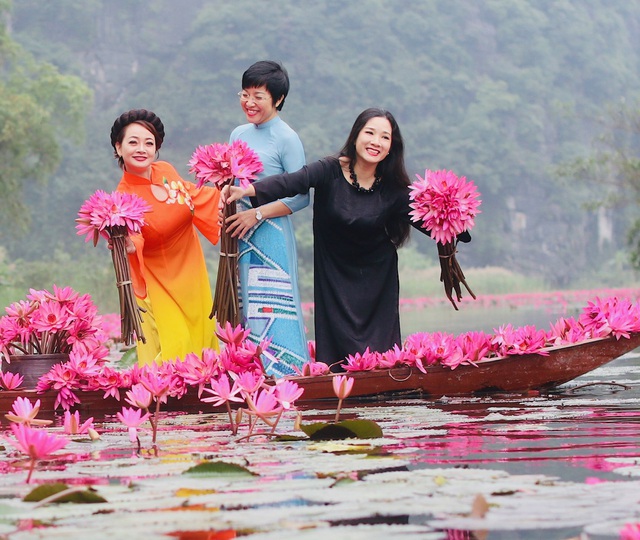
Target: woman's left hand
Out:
[238,224]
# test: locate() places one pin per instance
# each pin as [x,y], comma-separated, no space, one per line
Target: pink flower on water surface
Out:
[132,418]
[159,384]
[25,412]
[342,386]
[287,392]
[36,443]
[139,396]
[263,403]
[199,370]
[445,204]
[630,531]
[10,381]
[222,392]
[72,425]
[249,381]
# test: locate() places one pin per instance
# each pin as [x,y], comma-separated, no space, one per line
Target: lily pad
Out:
[46,491]
[219,468]
[346,429]
[128,359]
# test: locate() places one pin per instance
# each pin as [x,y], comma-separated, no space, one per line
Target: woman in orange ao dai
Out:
[168,268]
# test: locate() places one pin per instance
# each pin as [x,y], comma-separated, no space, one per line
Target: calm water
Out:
[561,465]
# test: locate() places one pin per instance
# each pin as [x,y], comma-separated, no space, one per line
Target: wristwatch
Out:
[258,215]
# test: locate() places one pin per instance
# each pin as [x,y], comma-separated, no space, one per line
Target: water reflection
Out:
[572,435]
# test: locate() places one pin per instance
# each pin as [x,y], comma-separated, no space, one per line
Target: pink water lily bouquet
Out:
[47,322]
[446,205]
[115,216]
[220,164]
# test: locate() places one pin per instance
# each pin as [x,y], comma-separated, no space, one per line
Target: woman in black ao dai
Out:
[360,218]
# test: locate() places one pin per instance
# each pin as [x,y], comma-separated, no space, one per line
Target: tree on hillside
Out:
[38,105]
[613,167]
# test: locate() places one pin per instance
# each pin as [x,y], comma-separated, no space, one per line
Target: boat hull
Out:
[519,373]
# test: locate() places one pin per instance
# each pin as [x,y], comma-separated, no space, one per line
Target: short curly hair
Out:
[143,117]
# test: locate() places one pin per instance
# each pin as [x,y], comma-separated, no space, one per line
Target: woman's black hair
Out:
[391,169]
[143,117]
[270,74]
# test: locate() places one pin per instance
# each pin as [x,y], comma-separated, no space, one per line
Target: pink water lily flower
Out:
[248,381]
[36,443]
[263,403]
[211,163]
[287,392]
[231,335]
[393,357]
[474,346]
[159,384]
[444,203]
[617,316]
[245,163]
[139,396]
[132,418]
[222,392]
[565,331]
[523,340]
[25,412]
[104,210]
[72,425]
[366,361]
[342,386]
[219,163]
[312,369]
[197,371]
[630,531]
[10,381]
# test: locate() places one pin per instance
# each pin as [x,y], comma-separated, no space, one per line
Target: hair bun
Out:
[137,115]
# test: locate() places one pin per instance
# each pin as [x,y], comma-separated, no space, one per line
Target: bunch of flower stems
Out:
[451,274]
[130,312]
[225,301]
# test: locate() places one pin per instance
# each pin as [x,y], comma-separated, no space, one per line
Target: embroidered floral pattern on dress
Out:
[177,193]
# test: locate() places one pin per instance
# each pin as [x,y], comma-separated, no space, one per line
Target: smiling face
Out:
[258,105]
[374,140]
[137,149]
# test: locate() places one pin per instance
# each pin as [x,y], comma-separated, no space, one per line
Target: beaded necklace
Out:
[358,187]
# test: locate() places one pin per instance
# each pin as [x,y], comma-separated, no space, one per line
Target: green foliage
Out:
[61,493]
[218,468]
[345,429]
[501,92]
[38,105]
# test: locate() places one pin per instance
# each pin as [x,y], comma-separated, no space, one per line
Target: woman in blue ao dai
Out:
[268,268]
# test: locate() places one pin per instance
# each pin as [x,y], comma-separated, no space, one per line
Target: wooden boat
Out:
[520,373]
